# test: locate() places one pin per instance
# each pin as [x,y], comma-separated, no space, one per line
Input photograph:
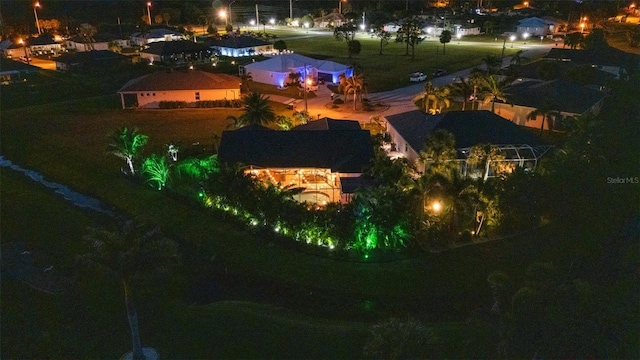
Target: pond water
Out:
[75,198]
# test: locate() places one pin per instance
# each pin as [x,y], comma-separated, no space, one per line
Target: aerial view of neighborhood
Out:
[320,179]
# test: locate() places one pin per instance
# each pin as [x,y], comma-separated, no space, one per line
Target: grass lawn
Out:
[391,70]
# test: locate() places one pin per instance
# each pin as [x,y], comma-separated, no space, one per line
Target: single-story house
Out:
[565,97]
[14,50]
[333,19]
[535,26]
[465,29]
[81,60]
[98,42]
[185,85]
[155,35]
[409,130]
[609,59]
[42,45]
[324,161]
[243,45]
[179,50]
[15,71]
[276,70]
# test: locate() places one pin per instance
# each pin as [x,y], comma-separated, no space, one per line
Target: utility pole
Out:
[291,10]
[257,16]
[304,86]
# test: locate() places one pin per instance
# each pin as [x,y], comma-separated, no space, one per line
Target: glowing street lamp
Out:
[149,12]
[35,13]
[458,36]
[272,21]
[24,46]
[512,38]
[525,36]
[340,5]
[223,14]
[252,22]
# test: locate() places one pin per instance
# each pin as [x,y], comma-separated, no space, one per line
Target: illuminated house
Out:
[324,158]
[155,35]
[175,51]
[276,70]
[236,46]
[187,85]
[409,130]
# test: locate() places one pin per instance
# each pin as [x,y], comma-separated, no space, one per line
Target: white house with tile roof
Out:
[181,85]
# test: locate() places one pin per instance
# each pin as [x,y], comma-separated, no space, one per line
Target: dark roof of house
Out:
[592,75]
[347,151]
[99,37]
[90,56]
[173,47]
[468,127]
[329,124]
[608,56]
[181,80]
[561,95]
[12,65]
[41,40]
[236,42]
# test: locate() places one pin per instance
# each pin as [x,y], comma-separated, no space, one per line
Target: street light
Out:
[24,46]
[223,14]
[340,5]
[458,36]
[35,13]
[272,21]
[436,206]
[525,36]
[149,12]
[512,38]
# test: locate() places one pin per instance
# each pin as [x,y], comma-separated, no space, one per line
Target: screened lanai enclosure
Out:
[507,159]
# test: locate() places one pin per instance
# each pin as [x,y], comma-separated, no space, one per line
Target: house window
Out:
[197,96]
[406,148]
[154,94]
[142,94]
[147,94]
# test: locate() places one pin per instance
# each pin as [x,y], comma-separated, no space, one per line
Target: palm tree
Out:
[464,89]
[156,169]
[130,253]
[256,110]
[494,89]
[440,98]
[127,143]
[247,78]
[492,64]
[354,85]
[422,99]
[546,111]
[476,80]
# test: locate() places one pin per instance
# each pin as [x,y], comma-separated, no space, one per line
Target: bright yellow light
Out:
[309,82]
[149,4]
[222,14]
[37,4]
[584,18]
[436,206]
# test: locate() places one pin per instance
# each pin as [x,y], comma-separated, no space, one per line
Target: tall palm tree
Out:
[127,144]
[492,63]
[546,111]
[354,85]
[256,110]
[494,89]
[130,252]
[464,89]
[476,80]
[422,99]
[440,98]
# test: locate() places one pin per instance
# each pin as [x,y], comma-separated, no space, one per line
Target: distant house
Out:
[536,26]
[186,85]
[466,29]
[90,59]
[98,42]
[333,19]
[42,45]
[155,35]
[15,71]
[565,97]
[408,132]
[172,51]
[276,70]
[13,50]
[236,46]
[609,59]
[324,161]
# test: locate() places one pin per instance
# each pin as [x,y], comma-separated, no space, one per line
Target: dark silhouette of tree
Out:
[383,35]
[445,38]
[346,33]
[410,33]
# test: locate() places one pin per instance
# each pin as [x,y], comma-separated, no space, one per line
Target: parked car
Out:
[417,77]
[440,72]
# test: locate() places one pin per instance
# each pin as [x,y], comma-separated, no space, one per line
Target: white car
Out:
[417,77]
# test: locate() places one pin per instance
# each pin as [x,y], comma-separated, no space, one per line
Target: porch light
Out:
[436,206]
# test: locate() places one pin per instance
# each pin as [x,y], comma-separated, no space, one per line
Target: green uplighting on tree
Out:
[156,169]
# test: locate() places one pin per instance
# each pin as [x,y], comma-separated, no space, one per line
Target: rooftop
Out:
[181,80]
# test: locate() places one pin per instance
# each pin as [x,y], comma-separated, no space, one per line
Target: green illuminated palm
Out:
[156,169]
[127,143]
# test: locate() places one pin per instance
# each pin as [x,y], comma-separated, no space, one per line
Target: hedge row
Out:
[201,104]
